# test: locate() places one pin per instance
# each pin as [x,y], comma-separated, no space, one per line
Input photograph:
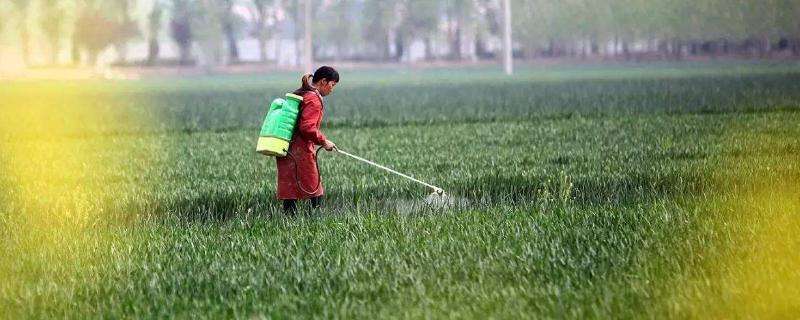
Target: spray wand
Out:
[436,190]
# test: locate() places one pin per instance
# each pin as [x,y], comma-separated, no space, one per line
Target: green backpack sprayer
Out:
[278,127]
[277,131]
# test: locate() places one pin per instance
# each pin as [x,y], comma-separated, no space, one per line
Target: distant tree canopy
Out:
[99,24]
[181,28]
[545,26]
[51,23]
[380,30]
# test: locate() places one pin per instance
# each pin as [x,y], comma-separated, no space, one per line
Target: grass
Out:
[623,191]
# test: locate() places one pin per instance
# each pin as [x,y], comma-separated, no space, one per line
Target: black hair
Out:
[327,73]
[322,73]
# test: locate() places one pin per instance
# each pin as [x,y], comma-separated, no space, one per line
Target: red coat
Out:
[306,135]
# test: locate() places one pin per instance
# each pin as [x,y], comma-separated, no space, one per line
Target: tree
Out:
[181,29]
[261,13]
[422,24]
[2,22]
[51,22]
[302,15]
[75,45]
[794,29]
[94,32]
[153,27]
[208,24]
[124,27]
[336,26]
[381,26]
[229,20]
[624,26]
[488,26]
[532,24]
[215,26]
[21,10]
[100,24]
[457,13]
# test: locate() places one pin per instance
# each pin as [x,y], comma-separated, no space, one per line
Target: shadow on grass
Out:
[483,192]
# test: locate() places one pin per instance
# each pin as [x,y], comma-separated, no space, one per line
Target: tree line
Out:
[670,28]
[380,30]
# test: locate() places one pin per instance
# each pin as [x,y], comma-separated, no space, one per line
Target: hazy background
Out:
[643,161]
[254,35]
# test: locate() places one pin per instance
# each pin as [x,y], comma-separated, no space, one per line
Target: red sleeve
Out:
[310,118]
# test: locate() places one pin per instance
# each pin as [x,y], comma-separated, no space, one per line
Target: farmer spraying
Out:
[290,132]
[298,174]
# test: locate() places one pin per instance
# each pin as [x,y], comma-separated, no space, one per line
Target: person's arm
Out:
[309,117]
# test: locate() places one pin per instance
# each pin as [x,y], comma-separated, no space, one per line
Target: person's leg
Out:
[289,206]
[316,202]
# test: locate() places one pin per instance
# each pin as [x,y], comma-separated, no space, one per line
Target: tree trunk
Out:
[261,33]
[480,48]
[278,48]
[233,48]
[387,51]
[122,52]
[626,51]
[765,47]
[457,43]
[54,50]
[91,57]
[663,49]
[399,47]
[152,51]
[122,46]
[754,46]
[584,49]
[75,51]
[454,37]
[337,53]
[262,48]
[185,54]
[154,24]
[25,40]
[428,49]
[677,48]
[531,50]
[712,49]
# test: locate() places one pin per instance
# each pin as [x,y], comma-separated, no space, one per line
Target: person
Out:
[298,174]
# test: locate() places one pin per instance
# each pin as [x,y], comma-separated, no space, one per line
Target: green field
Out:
[626,191]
